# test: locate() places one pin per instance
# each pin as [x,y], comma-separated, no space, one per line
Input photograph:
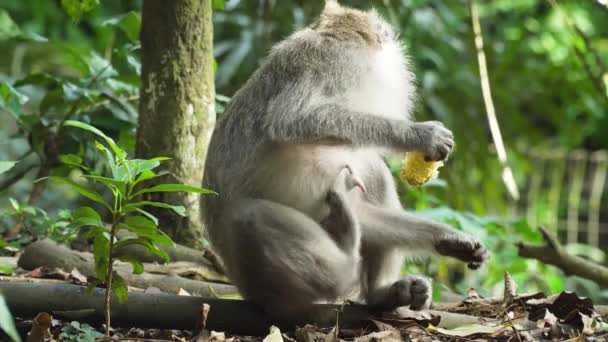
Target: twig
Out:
[551,253]
[507,174]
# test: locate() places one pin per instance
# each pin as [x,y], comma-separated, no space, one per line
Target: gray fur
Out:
[334,95]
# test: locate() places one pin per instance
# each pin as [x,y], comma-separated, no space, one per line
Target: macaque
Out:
[308,210]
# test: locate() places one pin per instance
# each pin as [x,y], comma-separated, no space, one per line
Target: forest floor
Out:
[49,299]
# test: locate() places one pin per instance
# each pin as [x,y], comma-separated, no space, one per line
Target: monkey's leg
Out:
[385,289]
[386,233]
[283,260]
[397,228]
[341,221]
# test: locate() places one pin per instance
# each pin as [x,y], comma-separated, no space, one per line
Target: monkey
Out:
[308,209]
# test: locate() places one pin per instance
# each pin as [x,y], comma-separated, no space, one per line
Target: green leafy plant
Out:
[76,331]
[126,211]
[6,321]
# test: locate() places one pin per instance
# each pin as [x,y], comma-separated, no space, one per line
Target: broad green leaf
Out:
[119,286]
[14,204]
[94,232]
[71,159]
[76,8]
[174,188]
[6,165]
[129,23]
[6,270]
[87,216]
[99,68]
[149,174]
[177,208]
[218,5]
[101,252]
[117,151]
[84,191]
[110,183]
[146,243]
[148,215]
[6,321]
[138,267]
[8,28]
[140,225]
[12,100]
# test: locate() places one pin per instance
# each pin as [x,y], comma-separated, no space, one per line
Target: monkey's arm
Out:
[333,122]
[383,226]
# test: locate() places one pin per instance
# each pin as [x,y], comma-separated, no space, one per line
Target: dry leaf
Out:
[381,336]
[183,292]
[470,329]
[78,277]
[274,335]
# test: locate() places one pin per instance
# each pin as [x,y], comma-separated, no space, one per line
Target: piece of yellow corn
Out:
[417,171]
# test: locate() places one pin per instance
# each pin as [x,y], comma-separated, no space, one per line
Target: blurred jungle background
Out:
[548,72]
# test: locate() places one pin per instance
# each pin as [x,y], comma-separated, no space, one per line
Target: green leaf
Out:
[6,321]
[119,286]
[8,28]
[129,23]
[117,151]
[146,243]
[71,159]
[6,270]
[84,191]
[6,165]
[12,100]
[140,225]
[174,188]
[94,232]
[177,208]
[218,5]
[149,174]
[76,8]
[112,184]
[101,252]
[138,267]
[14,204]
[87,216]
[148,215]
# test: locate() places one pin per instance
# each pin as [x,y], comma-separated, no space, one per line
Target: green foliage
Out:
[80,332]
[6,321]
[126,211]
[76,8]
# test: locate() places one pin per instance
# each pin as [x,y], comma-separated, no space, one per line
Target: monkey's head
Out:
[349,24]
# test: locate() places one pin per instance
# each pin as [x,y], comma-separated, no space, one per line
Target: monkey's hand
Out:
[433,139]
[463,247]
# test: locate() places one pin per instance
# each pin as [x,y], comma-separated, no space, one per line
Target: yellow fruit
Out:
[417,171]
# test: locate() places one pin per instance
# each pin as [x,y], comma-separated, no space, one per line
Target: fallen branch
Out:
[164,311]
[551,253]
[50,254]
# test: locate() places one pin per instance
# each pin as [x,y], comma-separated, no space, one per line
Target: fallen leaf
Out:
[309,333]
[381,336]
[403,315]
[78,277]
[183,292]
[274,335]
[470,329]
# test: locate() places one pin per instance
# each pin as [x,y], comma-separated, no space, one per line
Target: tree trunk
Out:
[177,104]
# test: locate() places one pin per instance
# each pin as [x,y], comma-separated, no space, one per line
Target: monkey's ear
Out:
[331,6]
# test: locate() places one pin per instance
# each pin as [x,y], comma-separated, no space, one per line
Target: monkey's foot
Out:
[463,247]
[414,290]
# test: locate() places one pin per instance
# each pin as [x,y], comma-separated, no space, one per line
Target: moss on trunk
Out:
[177,105]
